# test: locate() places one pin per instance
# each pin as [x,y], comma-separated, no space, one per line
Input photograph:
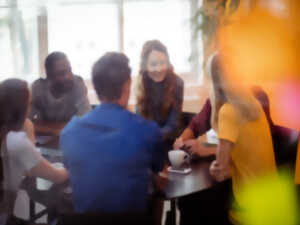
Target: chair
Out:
[285,143]
[284,139]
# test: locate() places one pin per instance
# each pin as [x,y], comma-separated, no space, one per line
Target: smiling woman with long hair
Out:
[18,153]
[159,90]
[245,150]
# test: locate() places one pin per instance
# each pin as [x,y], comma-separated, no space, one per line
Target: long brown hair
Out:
[144,89]
[225,91]
[14,103]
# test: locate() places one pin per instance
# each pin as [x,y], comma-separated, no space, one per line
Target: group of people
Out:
[111,154]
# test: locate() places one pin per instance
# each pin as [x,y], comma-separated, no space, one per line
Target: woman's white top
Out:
[19,155]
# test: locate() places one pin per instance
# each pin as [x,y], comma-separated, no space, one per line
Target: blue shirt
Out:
[110,154]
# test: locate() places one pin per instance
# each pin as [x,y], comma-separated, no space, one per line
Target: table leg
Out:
[171,215]
[32,216]
[31,210]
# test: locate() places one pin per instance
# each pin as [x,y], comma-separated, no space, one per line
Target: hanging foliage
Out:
[208,17]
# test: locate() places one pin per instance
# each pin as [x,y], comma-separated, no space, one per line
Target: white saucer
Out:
[181,171]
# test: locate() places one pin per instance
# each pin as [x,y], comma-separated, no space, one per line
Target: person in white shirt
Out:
[19,155]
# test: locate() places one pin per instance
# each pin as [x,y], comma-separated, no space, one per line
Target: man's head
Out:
[111,76]
[59,71]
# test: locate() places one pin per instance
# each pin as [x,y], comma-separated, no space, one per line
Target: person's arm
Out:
[27,156]
[220,168]
[29,130]
[198,126]
[158,158]
[172,123]
[186,135]
[43,169]
[83,105]
[228,131]
[48,128]
[157,147]
[47,171]
[194,146]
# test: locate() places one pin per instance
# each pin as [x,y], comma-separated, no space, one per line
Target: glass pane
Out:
[84,32]
[167,21]
[18,43]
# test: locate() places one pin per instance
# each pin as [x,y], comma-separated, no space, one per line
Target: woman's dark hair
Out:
[144,85]
[14,103]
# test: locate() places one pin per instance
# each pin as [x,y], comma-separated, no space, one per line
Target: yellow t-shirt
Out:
[297,173]
[252,155]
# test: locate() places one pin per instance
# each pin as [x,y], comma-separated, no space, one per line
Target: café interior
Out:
[223,97]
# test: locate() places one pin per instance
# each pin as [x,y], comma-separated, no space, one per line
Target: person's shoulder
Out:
[28,125]
[39,83]
[227,109]
[18,141]
[78,79]
[79,85]
[72,125]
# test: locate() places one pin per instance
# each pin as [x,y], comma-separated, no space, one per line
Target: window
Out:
[83,32]
[19,43]
[86,29]
[167,21]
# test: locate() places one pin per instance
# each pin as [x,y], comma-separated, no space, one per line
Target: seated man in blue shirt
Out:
[111,153]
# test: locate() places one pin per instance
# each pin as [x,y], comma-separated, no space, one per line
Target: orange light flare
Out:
[261,46]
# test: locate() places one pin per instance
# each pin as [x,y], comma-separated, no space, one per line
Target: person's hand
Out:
[219,172]
[159,182]
[178,143]
[193,146]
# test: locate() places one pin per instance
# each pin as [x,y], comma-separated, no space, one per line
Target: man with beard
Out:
[58,97]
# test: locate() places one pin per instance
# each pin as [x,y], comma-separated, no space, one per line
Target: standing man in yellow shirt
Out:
[245,150]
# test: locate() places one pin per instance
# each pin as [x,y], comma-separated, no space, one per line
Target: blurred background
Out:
[257,38]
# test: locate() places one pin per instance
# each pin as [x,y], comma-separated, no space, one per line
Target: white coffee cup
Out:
[178,158]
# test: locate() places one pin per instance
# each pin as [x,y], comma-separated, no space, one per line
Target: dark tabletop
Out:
[172,185]
[178,185]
